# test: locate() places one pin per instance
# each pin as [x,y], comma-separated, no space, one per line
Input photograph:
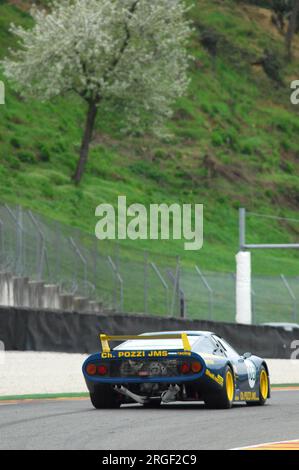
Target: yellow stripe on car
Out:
[218,378]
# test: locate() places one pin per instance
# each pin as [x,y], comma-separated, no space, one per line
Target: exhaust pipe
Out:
[167,397]
[170,394]
[124,391]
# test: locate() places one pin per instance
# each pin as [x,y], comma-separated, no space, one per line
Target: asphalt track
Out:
[74,424]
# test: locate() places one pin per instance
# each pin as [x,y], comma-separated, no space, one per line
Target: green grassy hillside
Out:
[234,143]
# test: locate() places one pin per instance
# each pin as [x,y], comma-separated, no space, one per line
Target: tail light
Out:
[102,370]
[196,367]
[185,368]
[91,369]
[191,368]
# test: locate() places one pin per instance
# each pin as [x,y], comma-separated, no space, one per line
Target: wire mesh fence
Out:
[129,280]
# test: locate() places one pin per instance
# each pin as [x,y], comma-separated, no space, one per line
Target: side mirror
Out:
[247,355]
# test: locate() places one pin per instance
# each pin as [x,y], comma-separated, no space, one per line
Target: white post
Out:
[243,288]
[2,93]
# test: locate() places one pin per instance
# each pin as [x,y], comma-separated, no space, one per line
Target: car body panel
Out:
[153,354]
[212,352]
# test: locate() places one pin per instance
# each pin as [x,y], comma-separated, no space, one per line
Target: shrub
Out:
[48,191]
[14,141]
[43,153]
[26,156]
[14,163]
[59,179]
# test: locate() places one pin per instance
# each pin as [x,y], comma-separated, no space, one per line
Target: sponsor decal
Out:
[248,396]
[106,355]
[133,354]
[157,354]
[251,371]
[218,378]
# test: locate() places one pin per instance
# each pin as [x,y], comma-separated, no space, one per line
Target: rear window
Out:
[155,344]
[205,345]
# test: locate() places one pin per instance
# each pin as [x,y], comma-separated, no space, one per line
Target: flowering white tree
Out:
[116,54]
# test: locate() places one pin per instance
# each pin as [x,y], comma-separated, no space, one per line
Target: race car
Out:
[163,367]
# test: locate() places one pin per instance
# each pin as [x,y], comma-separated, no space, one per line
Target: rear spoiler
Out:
[106,338]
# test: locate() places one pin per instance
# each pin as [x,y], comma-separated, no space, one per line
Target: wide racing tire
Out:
[105,397]
[264,385]
[225,397]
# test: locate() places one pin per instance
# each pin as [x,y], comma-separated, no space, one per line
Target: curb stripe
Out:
[41,400]
[278,445]
[284,389]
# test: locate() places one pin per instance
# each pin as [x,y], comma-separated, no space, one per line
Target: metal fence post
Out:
[40,248]
[163,282]
[292,295]
[19,229]
[209,289]
[175,286]
[242,228]
[145,287]
[20,237]
[95,262]
[57,257]
[83,260]
[182,297]
[2,254]
[120,280]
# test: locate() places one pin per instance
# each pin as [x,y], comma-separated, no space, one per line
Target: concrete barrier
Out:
[19,291]
[81,304]
[66,302]
[36,294]
[6,289]
[93,307]
[20,287]
[24,373]
[51,297]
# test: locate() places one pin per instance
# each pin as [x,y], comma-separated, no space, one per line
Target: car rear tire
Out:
[104,397]
[225,397]
[263,389]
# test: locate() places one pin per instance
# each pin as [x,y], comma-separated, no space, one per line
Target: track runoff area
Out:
[177,434]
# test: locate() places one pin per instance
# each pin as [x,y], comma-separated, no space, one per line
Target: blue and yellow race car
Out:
[155,368]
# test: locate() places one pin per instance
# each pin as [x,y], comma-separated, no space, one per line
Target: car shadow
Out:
[177,406]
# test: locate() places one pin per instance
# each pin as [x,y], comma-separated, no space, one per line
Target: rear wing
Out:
[106,338]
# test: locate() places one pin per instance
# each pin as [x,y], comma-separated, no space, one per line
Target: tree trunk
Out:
[292,29]
[87,136]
